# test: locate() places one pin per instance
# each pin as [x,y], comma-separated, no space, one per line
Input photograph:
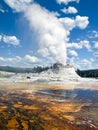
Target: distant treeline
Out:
[37,69]
[88,73]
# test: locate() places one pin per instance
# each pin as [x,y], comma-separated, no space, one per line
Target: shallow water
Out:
[81,95]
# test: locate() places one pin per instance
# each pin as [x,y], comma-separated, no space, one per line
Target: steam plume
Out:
[51,35]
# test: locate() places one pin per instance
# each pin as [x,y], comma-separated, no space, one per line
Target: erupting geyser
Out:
[49,33]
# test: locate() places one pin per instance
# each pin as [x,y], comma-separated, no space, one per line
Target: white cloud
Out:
[67,1]
[95,52]
[2,59]
[92,60]
[25,61]
[73,53]
[18,5]
[74,45]
[96,55]
[85,64]
[85,61]
[72,56]
[51,33]
[11,40]
[68,23]
[30,59]
[0,37]
[93,34]
[80,45]
[69,10]
[72,61]
[79,21]
[96,45]
[86,44]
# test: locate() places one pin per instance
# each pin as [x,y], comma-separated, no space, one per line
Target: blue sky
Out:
[42,32]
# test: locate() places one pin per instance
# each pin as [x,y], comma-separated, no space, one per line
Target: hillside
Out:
[56,74]
[88,73]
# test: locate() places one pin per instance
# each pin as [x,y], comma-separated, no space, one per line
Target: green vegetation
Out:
[88,73]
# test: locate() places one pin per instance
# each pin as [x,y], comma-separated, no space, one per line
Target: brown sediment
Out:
[21,107]
[37,86]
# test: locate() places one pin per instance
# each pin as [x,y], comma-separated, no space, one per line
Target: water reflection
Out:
[87,95]
[80,95]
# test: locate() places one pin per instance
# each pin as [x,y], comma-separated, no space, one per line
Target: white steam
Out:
[51,32]
[51,36]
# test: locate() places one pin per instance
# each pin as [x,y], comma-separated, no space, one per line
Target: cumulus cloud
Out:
[2,59]
[79,45]
[72,57]
[80,22]
[85,64]
[92,60]
[51,33]
[73,53]
[86,44]
[93,34]
[96,55]
[74,45]
[68,23]
[11,40]
[9,61]
[25,61]
[30,59]
[67,1]
[95,52]
[96,45]
[0,37]
[69,10]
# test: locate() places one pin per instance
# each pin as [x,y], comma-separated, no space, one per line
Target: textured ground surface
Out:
[27,106]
